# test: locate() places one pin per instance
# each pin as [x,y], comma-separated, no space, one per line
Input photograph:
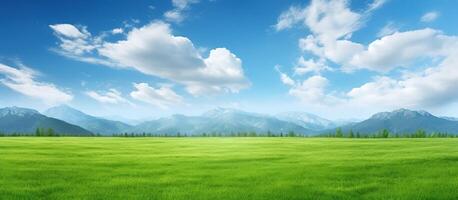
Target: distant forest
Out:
[385,133]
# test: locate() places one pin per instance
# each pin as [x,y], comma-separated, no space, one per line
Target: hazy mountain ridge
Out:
[307,120]
[91,123]
[404,121]
[220,120]
[24,120]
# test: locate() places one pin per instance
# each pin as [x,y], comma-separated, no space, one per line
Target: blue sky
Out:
[337,59]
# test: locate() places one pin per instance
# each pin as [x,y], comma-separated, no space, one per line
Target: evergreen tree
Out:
[339,133]
[350,134]
[50,132]
[291,134]
[385,133]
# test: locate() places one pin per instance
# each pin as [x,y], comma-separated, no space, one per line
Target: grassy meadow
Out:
[227,168]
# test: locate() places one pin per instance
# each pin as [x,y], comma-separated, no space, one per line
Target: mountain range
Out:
[404,121]
[64,119]
[23,120]
[91,123]
[221,120]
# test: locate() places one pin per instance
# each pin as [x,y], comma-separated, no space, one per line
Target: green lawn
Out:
[228,168]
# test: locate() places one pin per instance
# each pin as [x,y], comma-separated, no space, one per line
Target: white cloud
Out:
[111,96]
[285,79]
[330,40]
[376,4]
[69,31]
[430,16]
[311,44]
[312,91]
[290,17]
[176,14]
[77,43]
[435,86]
[310,66]
[117,31]
[154,50]
[388,29]
[23,81]
[402,48]
[162,97]
[329,20]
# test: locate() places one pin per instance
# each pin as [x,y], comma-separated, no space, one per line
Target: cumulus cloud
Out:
[330,41]
[402,48]
[435,86]
[332,23]
[312,91]
[429,16]
[326,19]
[23,81]
[154,50]
[162,97]
[310,66]
[111,96]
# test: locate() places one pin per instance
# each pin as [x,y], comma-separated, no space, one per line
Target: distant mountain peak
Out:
[25,120]
[64,108]
[404,113]
[17,111]
[221,111]
[91,123]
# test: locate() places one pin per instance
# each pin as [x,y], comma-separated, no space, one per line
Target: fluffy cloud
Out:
[402,48]
[332,24]
[73,40]
[285,79]
[290,17]
[117,31]
[112,96]
[326,19]
[176,14]
[162,97]
[154,50]
[330,41]
[23,81]
[430,16]
[310,66]
[69,31]
[313,91]
[435,86]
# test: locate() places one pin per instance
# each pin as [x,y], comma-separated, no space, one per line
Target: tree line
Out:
[339,133]
[385,133]
[39,132]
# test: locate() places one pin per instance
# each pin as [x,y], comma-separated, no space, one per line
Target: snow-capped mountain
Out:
[220,120]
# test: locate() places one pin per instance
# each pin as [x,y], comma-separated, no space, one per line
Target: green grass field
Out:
[228,168]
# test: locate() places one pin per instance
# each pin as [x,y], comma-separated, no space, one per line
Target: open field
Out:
[228,168]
